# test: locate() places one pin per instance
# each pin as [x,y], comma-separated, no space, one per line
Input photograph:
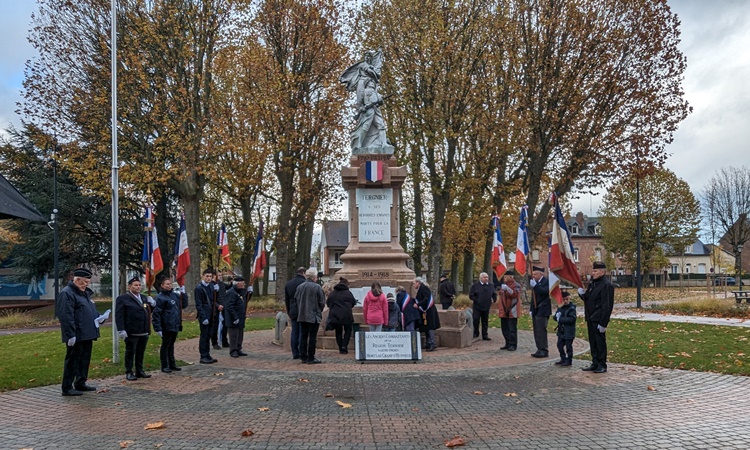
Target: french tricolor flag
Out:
[374,170]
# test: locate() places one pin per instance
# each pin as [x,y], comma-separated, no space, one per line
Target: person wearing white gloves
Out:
[598,301]
[509,310]
[541,309]
[79,322]
[206,293]
[565,316]
[167,319]
[133,320]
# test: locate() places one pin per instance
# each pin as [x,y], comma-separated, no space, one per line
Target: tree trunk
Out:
[454,269]
[418,214]
[304,244]
[468,276]
[282,242]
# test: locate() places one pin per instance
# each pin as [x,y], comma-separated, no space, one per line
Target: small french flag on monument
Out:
[374,170]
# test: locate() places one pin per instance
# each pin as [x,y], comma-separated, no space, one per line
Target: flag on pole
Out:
[182,253]
[259,260]
[554,288]
[561,260]
[498,252]
[374,170]
[151,256]
[522,241]
[222,243]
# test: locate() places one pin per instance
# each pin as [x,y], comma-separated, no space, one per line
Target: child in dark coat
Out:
[566,330]
[394,314]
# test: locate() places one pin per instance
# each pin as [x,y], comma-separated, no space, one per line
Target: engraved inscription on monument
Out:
[374,207]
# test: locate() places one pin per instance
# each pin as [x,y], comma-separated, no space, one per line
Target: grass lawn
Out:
[36,359]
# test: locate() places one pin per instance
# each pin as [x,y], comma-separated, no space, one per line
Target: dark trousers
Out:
[166,352]
[204,342]
[295,337]
[135,348]
[225,336]
[598,342]
[307,340]
[446,305]
[484,316]
[565,347]
[509,327]
[236,336]
[343,335]
[214,324]
[76,366]
[540,333]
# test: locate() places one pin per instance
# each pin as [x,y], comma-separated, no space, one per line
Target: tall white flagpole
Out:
[115,192]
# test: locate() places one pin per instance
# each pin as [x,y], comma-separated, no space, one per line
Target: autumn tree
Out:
[670,218]
[726,205]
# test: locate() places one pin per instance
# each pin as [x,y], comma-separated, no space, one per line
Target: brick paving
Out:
[491,398]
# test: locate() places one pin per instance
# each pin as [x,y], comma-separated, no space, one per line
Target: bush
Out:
[710,307]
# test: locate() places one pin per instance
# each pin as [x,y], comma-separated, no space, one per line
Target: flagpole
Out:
[115,190]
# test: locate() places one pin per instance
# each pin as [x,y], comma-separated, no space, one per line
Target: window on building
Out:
[337,257]
[687,268]
[675,268]
[574,229]
[575,254]
[688,249]
[702,268]
[535,255]
[597,229]
[598,254]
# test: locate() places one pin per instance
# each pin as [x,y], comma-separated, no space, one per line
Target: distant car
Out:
[721,281]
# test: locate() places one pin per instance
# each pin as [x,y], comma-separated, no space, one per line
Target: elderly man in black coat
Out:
[290,288]
[541,309]
[133,319]
[234,315]
[79,325]
[309,301]
[598,301]
[483,295]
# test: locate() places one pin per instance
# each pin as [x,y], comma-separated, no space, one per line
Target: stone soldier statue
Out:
[368,137]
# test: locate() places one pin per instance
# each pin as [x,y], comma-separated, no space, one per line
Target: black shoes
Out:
[540,354]
[431,348]
[343,351]
[486,338]
[314,361]
[504,347]
[561,362]
[600,370]
[234,355]
[85,388]
[216,347]
[512,348]
[175,368]
[71,393]
[130,376]
[225,344]
[142,374]
[590,368]
[568,362]
[166,370]
[207,361]
[241,353]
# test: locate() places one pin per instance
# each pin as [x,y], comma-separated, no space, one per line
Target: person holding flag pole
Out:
[259,258]
[219,337]
[499,265]
[522,243]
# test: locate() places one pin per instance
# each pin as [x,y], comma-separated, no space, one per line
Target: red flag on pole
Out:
[222,242]
[259,261]
[151,256]
[182,253]
[499,265]
[561,260]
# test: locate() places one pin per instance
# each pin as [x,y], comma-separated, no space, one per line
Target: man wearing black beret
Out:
[598,301]
[541,309]
[79,324]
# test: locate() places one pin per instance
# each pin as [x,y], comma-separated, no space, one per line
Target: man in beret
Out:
[447,291]
[79,324]
[133,320]
[598,301]
[541,309]
[234,315]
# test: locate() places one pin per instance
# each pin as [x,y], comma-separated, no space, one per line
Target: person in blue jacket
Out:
[167,320]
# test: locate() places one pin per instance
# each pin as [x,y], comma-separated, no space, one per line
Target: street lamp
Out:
[53,220]
[638,240]
[739,266]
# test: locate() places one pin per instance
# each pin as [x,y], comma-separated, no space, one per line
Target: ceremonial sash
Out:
[407,299]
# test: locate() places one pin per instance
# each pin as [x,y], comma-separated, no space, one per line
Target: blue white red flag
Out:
[222,243]
[151,256]
[181,253]
[499,265]
[561,259]
[374,170]
[259,260]
[522,242]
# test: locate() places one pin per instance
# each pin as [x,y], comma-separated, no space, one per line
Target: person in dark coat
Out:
[483,295]
[430,318]
[207,310]
[394,314]
[598,301]
[219,337]
[290,288]
[234,316]
[565,316]
[411,317]
[310,301]
[340,303]
[133,320]
[167,320]
[541,309]
[79,326]
[447,292]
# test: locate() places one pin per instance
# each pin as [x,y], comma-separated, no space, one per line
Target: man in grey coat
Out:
[310,301]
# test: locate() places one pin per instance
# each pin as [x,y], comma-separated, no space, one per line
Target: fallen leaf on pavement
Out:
[158,445]
[154,426]
[510,394]
[343,405]
[219,374]
[102,391]
[118,403]
[303,380]
[328,395]
[457,441]
[650,388]
[124,444]
[264,408]
[478,393]
[248,433]
[415,409]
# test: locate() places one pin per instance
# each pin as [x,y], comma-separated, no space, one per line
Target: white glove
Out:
[236,322]
[216,287]
[151,301]
[159,333]
[581,291]
[182,289]
[508,289]
[503,286]
[123,334]
[250,289]
[531,313]
[205,322]
[601,328]
[532,282]
[72,341]
[100,320]
[557,316]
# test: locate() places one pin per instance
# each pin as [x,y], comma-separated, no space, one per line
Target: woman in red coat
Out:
[375,308]
[509,310]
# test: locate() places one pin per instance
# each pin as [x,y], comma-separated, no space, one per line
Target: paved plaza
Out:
[489,397]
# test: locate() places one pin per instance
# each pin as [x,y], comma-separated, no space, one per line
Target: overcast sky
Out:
[715,39]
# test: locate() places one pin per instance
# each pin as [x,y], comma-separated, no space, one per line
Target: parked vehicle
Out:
[728,281]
